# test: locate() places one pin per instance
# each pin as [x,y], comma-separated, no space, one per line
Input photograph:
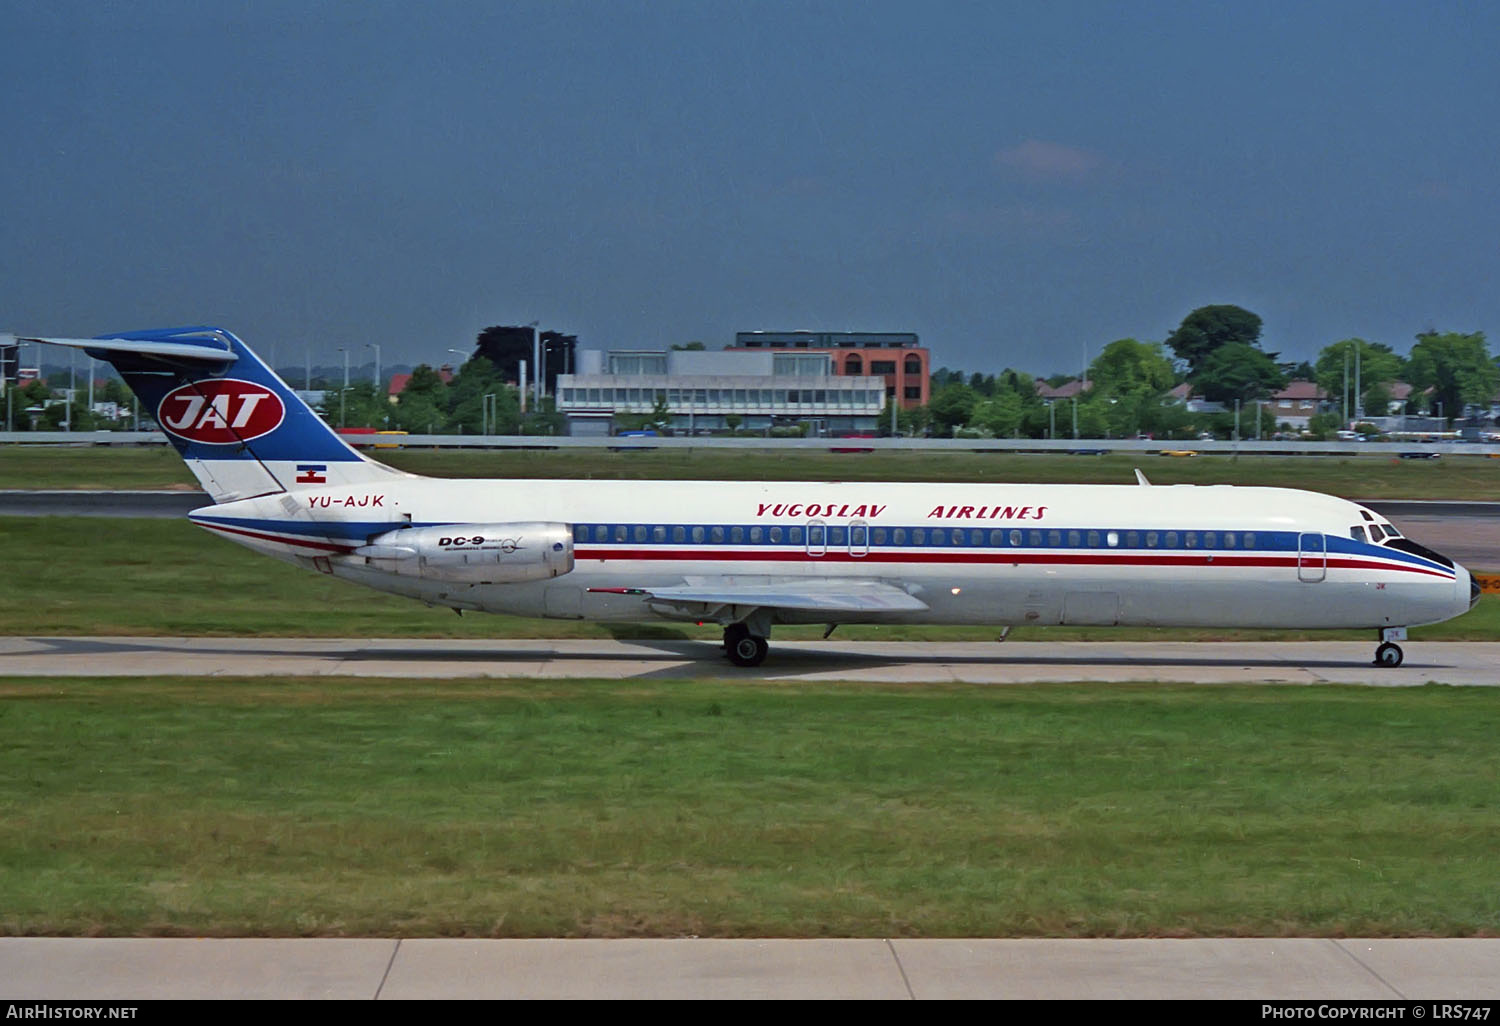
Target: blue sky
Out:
[1019,183]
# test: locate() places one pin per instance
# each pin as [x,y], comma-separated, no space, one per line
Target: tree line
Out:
[1217,351]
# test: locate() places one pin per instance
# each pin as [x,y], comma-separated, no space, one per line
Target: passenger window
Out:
[658,533]
[698,535]
[1015,537]
[1093,539]
[1036,538]
[997,538]
[795,536]
[1191,538]
[879,535]
[736,534]
[1073,539]
[621,532]
[581,532]
[775,535]
[858,536]
[1054,538]
[1171,542]
[1112,539]
[976,537]
[1249,539]
[1150,539]
[716,534]
[815,535]
[755,535]
[679,534]
[1229,539]
[919,536]
[837,536]
[900,536]
[957,537]
[640,532]
[1210,540]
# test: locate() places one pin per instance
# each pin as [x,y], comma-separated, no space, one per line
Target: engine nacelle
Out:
[474,553]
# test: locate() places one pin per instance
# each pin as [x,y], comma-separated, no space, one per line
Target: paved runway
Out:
[1282,662]
[1253,969]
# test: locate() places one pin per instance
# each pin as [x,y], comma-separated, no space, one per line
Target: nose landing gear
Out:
[1389,653]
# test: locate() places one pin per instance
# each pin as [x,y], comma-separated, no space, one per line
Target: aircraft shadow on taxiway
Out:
[707,653]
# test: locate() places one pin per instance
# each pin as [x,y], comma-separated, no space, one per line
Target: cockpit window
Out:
[1357,533]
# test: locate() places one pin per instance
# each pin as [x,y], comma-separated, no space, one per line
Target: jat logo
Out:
[221,411]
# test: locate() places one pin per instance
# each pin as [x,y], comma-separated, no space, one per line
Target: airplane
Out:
[750,555]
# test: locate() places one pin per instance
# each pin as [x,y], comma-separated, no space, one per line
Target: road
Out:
[1278,662]
[1306,970]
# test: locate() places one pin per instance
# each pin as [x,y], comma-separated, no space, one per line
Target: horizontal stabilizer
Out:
[212,355]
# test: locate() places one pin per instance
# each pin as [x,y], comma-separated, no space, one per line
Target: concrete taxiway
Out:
[1295,662]
[1253,969]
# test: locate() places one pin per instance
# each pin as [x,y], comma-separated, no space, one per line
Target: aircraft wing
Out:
[822,594]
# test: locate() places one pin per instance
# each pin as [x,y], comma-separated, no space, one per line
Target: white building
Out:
[703,389]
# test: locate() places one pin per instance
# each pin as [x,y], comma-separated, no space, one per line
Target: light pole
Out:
[491,412]
[536,360]
[375,346]
[346,385]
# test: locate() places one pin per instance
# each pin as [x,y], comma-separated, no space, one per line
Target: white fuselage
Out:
[972,553]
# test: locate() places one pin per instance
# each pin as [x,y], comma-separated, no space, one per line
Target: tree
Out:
[1378,365]
[422,406]
[1001,416]
[466,399]
[1126,366]
[1237,370]
[952,407]
[1210,327]
[1456,367]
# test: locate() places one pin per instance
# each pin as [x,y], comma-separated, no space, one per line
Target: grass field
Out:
[716,809]
[95,575]
[1469,478]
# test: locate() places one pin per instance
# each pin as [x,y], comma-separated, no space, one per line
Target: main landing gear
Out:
[1389,653]
[744,648]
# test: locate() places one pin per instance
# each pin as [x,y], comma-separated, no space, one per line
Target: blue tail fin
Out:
[239,427]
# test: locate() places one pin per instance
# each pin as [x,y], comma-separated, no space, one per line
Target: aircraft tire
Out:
[1389,655]
[747,650]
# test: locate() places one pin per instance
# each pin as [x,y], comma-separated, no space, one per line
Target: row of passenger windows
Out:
[861,536]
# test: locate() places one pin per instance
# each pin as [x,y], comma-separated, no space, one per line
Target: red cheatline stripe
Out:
[992,558]
[321,546]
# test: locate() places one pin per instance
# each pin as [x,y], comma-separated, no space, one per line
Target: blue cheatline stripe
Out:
[594,538]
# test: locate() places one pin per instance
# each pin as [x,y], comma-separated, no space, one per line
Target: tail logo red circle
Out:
[221,411]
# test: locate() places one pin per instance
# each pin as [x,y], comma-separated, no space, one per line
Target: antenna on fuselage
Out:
[1140,478]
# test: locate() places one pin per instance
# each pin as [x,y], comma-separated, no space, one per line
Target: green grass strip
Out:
[341,807]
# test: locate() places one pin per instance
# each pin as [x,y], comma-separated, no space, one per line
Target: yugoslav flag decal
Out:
[312,473]
[221,411]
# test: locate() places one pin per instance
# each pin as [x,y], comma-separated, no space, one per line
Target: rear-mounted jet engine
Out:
[474,553]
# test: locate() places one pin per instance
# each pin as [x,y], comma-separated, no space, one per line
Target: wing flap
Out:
[821,595]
